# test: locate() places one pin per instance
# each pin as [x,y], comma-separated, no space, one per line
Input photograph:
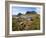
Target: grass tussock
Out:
[19,24]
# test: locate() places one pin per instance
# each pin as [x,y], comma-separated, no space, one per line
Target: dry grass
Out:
[24,24]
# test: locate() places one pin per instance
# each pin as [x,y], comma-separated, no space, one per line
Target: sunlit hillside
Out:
[26,22]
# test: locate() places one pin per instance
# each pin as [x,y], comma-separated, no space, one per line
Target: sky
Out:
[23,10]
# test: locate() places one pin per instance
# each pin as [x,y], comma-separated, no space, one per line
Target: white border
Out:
[24,32]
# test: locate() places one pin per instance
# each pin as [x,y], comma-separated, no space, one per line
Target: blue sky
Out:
[23,10]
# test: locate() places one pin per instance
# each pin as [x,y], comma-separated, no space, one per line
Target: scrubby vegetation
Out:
[23,22]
